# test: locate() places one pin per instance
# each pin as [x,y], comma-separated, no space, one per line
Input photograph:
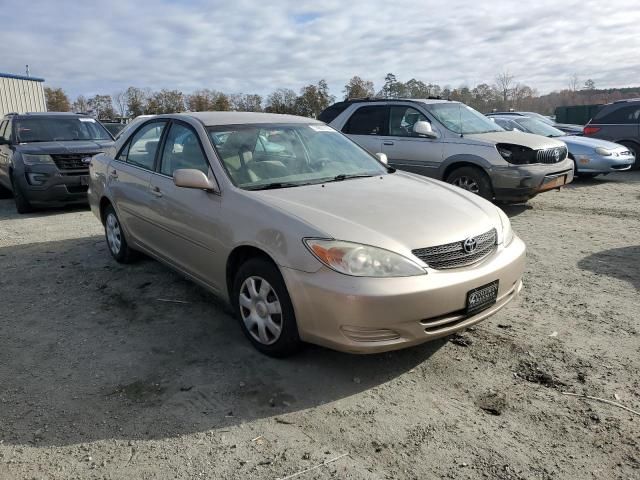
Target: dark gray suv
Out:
[44,157]
[618,122]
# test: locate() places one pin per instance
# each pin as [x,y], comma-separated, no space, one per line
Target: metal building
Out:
[21,94]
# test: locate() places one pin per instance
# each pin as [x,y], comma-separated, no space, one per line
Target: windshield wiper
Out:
[274,185]
[344,176]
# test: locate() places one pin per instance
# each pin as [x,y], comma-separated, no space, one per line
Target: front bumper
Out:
[368,315]
[518,183]
[45,184]
[599,164]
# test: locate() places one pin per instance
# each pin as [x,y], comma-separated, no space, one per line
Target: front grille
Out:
[453,255]
[71,161]
[551,155]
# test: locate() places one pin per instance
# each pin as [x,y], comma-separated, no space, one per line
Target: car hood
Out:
[535,142]
[590,142]
[77,146]
[399,212]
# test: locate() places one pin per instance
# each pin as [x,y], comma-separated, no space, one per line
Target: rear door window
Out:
[369,120]
[623,115]
[143,146]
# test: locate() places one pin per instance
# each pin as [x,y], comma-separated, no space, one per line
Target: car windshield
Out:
[462,119]
[288,155]
[53,129]
[533,125]
[540,117]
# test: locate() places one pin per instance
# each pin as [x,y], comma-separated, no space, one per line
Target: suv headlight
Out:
[604,152]
[362,260]
[30,159]
[516,154]
[507,231]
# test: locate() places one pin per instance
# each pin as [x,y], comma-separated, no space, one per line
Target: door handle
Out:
[156,191]
[387,142]
[113,173]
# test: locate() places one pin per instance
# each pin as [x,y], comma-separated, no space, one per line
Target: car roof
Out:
[233,118]
[47,114]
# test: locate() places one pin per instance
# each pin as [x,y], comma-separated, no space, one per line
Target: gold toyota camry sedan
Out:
[307,235]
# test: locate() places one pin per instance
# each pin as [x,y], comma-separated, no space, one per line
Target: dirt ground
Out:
[99,378]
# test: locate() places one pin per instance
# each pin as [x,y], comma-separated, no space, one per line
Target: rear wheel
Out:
[264,308]
[22,204]
[116,240]
[473,180]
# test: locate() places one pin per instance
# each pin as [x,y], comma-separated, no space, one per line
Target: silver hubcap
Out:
[260,310]
[114,235]
[467,183]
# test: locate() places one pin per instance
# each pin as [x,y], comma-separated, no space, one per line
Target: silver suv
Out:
[451,141]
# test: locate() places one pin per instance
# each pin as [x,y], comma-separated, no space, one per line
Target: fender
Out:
[462,159]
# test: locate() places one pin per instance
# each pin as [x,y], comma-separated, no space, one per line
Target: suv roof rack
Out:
[637,99]
[332,111]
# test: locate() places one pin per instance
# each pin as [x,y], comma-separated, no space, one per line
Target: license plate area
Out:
[552,183]
[482,297]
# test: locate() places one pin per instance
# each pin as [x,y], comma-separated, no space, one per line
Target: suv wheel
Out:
[473,180]
[116,240]
[22,204]
[264,308]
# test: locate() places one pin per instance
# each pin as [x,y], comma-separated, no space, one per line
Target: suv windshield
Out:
[282,155]
[533,125]
[53,129]
[462,119]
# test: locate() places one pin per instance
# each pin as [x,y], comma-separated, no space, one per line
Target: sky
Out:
[88,47]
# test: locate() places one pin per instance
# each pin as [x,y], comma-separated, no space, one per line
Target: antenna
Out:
[27,68]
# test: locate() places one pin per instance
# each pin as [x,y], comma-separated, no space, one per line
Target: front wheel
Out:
[264,308]
[22,203]
[116,241]
[473,180]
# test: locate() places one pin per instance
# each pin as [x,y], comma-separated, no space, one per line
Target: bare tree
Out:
[504,84]
[120,101]
[574,82]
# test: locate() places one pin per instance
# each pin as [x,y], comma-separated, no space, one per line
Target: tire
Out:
[472,179]
[635,148]
[116,240]
[22,204]
[264,309]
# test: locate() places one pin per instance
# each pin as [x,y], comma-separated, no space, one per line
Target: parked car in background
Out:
[568,128]
[590,156]
[309,237]
[113,127]
[618,122]
[452,142]
[44,157]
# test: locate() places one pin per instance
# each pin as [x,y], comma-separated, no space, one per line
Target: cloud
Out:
[249,46]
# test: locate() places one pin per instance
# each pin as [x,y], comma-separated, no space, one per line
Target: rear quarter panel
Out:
[98,169]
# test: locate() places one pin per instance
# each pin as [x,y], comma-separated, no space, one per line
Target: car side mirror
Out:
[192,178]
[383,158]
[423,129]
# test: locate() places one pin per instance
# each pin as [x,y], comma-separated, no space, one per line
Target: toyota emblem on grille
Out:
[556,154]
[470,245]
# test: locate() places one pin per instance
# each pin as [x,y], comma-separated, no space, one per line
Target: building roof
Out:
[20,77]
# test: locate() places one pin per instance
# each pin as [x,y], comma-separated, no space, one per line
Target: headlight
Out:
[362,260]
[603,151]
[29,159]
[507,231]
[516,154]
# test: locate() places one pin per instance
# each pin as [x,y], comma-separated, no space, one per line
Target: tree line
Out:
[505,92]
